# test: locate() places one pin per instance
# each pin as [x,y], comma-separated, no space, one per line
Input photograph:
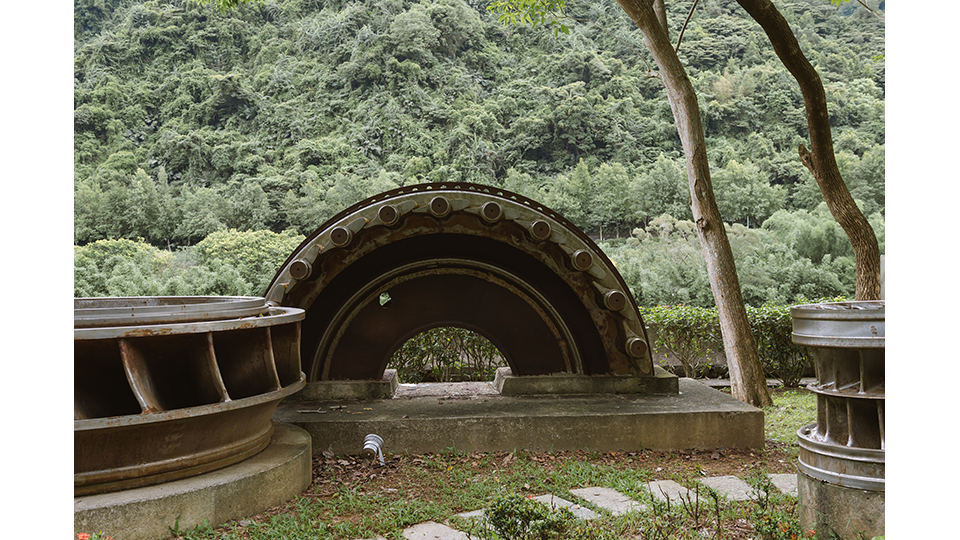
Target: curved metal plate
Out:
[141,310]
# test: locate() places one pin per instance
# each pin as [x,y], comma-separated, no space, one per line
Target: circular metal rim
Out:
[275,316]
[840,325]
[841,311]
[839,342]
[116,422]
[144,310]
[840,454]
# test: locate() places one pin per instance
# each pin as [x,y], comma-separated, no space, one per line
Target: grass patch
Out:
[350,500]
[792,409]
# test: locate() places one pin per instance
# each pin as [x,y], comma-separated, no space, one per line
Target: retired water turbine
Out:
[517,273]
[841,480]
[171,396]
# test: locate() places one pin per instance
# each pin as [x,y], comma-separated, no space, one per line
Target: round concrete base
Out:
[277,474]
[849,513]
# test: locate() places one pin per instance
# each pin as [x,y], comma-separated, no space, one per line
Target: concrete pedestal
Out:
[275,475]
[830,509]
[695,417]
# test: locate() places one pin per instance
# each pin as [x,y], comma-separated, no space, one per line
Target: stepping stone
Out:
[786,483]
[668,489]
[730,487]
[611,500]
[557,502]
[433,531]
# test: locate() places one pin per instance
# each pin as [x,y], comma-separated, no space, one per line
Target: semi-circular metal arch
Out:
[462,255]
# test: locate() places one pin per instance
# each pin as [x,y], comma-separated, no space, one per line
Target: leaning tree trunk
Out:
[746,373]
[820,159]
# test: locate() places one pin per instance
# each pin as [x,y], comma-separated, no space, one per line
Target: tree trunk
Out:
[748,383]
[820,159]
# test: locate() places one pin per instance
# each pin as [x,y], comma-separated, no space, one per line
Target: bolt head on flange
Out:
[388,214]
[491,212]
[540,230]
[614,300]
[636,347]
[341,236]
[439,206]
[582,260]
[300,269]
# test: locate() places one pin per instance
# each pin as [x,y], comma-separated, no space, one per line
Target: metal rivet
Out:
[340,236]
[491,211]
[614,300]
[636,347]
[439,207]
[300,269]
[582,260]
[540,229]
[388,214]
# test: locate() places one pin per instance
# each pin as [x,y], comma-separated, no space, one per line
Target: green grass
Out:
[353,502]
[791,410]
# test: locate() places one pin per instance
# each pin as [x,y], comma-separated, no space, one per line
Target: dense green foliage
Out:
[692,334]
[226,263]
[191,121]
[447,354]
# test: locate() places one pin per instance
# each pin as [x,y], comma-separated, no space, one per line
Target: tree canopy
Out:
[191,121]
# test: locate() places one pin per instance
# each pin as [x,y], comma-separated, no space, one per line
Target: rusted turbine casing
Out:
[846,445]
[170,387]
[462,255]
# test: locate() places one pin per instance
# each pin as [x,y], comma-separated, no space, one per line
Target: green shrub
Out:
[447,354]
[687,332]
[516,517]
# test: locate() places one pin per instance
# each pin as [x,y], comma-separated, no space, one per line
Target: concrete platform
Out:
[696,417]
[275,475]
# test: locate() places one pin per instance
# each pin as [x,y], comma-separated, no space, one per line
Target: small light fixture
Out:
[372,448]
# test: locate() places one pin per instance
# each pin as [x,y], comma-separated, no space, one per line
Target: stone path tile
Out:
[556,502]
[786,483]
[611,500]
[730,487]
[668,489]
[433,531]
[616,503]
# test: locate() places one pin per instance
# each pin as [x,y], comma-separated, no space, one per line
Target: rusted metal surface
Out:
[846,445]
[464,255]
[196,392]
[143,310]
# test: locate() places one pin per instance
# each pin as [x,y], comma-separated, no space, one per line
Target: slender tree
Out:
[747,380]
[820,158]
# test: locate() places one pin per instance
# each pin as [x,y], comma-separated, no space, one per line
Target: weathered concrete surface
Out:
[431,530]
[827,508]
[662,382]
[555,502]
[339,390]
[609,499]
[696,417]
[731,487]
[786,483]
[275,475]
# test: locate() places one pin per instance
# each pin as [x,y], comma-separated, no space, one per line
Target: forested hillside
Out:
[272,117]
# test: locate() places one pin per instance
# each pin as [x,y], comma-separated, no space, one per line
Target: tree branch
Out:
[685,23]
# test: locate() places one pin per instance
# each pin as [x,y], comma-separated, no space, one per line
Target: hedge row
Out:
[691,334]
